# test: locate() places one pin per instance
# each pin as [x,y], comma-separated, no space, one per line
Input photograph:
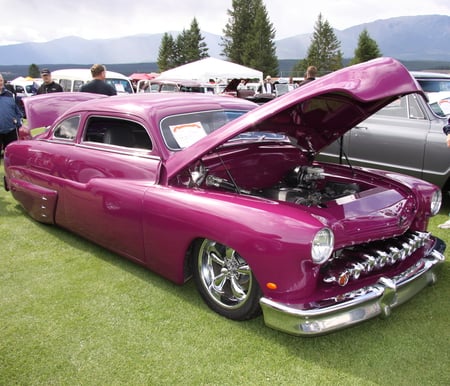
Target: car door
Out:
[392,139]
[108,178]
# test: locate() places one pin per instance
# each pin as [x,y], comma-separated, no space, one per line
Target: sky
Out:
[41,21]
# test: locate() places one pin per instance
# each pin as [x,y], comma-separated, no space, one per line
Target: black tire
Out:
[225,281]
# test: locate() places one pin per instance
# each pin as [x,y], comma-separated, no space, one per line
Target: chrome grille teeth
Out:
[407,249]
[394,255]
[369,262]
[355,270]
[382,259]
[354,262]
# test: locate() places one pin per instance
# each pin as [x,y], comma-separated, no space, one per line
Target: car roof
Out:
[83,73]
[143,104]
[43,110]
[430,75]
[184,82]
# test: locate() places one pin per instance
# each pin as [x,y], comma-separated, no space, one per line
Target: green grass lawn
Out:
[72,313]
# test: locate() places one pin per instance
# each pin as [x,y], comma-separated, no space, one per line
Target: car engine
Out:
[304,185]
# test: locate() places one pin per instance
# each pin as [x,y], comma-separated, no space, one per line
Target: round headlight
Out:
[436,202]
[322,245]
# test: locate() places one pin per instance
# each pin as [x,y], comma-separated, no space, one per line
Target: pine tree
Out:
[367,48]
[237,31]
[33,71]
[166,53]
[194,47]
[260,50]
[249,37]
[188,46]
[324,51]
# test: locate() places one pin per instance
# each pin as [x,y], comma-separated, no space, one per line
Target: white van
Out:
[73,79]
[25,87]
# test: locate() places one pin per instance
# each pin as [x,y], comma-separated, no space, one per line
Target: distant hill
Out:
[405,38]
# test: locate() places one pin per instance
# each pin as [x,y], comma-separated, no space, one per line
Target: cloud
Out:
[36,21]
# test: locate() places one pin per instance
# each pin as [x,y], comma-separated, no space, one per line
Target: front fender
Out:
[274,238]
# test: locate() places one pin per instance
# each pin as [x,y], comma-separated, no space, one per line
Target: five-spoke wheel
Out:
[225,281]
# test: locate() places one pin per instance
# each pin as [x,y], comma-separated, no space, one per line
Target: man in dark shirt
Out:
[48,85]
[98,84]
[311,73]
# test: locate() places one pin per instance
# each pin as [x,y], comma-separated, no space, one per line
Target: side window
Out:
[66,84]
[405,107]
[67,129]
[414,109]
[398,109]
[77,85]
[117,132]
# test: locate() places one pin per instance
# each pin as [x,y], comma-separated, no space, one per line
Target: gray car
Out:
[436,86]
[405,136]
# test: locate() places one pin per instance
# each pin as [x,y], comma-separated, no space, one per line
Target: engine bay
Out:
[306,185]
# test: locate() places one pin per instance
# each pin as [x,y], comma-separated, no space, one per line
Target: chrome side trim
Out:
[356,306]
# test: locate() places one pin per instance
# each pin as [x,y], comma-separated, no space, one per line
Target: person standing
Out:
[48,85]
[311,73]
[446,129]
[98,84]
[10,116]
[266,87]
[447,133]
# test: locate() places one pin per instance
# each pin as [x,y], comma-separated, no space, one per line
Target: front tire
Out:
[225,281]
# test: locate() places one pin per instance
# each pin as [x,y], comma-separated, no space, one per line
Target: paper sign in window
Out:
[187,133]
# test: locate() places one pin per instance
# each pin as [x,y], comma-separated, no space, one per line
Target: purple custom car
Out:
[229,193]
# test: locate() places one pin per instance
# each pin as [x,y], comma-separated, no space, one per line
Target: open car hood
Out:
[316,114]
[41,114]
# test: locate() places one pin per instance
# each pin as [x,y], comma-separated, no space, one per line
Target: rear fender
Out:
[38,202]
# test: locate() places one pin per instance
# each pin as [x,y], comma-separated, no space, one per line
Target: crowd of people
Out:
[11,114]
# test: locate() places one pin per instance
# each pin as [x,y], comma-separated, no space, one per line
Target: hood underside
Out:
[317,114]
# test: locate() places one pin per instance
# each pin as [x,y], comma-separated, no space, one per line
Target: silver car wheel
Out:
[225,275]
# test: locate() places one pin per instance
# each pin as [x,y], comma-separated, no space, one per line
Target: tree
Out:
[324,51]
[194,47]
[33,71]
[165,54]
[237,31]
[367,48]
[188,46]
[249,37]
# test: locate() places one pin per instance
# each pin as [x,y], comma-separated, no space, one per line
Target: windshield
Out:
[435,85]
[121,85]
[183,130]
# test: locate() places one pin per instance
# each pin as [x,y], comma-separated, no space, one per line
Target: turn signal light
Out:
[271,286]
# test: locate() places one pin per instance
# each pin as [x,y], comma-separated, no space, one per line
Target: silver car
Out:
[436,86]
[405,136]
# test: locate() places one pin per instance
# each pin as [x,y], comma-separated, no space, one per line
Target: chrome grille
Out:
[351,264]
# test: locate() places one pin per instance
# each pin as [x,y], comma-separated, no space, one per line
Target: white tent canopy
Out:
[211,68]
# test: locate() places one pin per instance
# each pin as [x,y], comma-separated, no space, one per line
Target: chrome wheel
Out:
[225,281]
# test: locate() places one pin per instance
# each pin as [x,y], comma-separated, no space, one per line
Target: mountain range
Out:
[404,38]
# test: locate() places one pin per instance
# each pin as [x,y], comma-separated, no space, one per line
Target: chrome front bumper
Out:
[356,306]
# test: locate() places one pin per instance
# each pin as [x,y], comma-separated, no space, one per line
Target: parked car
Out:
[250,92]
[24,88]
[406,136]
[229,193]
[436,86]
[174,85]
[73,78]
